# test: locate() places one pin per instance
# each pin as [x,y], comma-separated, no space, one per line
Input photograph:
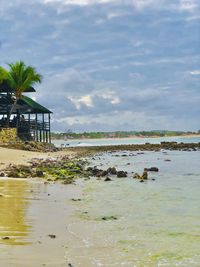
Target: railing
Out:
[31,124]
[39,125]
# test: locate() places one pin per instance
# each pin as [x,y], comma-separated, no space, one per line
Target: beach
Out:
[32,211]
[121,222]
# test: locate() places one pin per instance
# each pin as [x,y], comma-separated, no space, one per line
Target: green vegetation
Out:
[119,134]
[64,169]
[19,78]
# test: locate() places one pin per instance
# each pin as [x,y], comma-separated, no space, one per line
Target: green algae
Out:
[168,256]
[64,169]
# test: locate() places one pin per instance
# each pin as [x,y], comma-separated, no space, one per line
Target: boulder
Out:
[39,173]
[136,176]
[107,179]
[152,169]
[144,175]
[121,174]
[112,170]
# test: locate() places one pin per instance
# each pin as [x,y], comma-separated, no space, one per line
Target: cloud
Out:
[189,5]
[109,65]
[83,100]
[195,72]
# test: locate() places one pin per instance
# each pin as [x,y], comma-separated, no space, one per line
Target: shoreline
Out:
[66,208]
[130,137]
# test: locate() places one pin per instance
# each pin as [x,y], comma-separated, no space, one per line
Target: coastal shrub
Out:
[8,135]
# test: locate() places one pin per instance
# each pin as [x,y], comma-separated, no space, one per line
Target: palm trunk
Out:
[11,111]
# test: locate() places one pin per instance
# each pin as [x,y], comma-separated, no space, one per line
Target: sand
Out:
[30,211]
[15,156]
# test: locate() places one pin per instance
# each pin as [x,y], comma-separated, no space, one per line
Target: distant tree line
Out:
[118,134]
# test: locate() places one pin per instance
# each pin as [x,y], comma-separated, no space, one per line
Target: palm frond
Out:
[22,77]
[3,74]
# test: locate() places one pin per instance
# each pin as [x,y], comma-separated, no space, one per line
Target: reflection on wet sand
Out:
[13,207]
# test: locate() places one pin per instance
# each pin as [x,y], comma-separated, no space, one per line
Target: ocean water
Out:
[150,224]
[123,141]
[157,222]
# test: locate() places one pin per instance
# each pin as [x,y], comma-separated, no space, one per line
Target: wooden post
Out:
[43,127]
[49,128]
[36,126]
[46,136]
[40,132]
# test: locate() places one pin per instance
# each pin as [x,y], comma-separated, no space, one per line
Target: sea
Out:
[122,141]
[120,223]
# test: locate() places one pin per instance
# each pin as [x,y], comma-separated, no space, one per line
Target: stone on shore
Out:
[152,169]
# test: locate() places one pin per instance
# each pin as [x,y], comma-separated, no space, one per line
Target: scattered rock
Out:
[39,173]
[121,174]
[52,236]
[108,218]
[112,170]
[107,179]
[144,175]
[136,176]
[152,169]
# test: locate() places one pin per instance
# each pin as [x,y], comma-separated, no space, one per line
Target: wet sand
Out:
[35,217]
[30,211]
[15,156]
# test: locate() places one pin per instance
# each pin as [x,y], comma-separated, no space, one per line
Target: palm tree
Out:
[3,75]
[20,78]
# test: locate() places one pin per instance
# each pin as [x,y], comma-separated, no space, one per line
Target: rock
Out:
[104,173]
[108,218]
[52,236]
[39,173]
[2,174]
[136,176]
[152,169]
[112,170]
[107,179]
[121,174]
[144,175]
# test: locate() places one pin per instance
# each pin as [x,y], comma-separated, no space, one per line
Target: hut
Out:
[31,120]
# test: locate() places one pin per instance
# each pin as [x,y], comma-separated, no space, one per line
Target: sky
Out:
[109,65]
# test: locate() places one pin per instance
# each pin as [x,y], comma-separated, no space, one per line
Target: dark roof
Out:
[32,106]
[24,105]
[4,88]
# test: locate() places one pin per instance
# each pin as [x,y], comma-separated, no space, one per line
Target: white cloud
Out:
[195,72]
[189,5]
[83,100]
[79,2]
[111,97]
